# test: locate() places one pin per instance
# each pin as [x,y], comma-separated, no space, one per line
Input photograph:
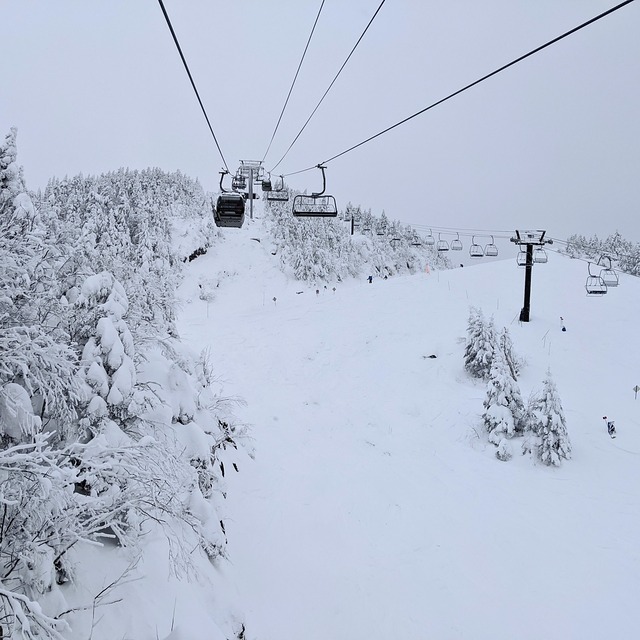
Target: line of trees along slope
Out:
[108,426]
[317,250]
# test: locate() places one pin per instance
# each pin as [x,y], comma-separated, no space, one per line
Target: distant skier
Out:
[611,427]
[370,279]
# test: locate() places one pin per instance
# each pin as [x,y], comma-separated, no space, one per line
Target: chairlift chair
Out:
[238,182]
[521,258]
[429,240]
[314,206]
[491,250]
[608,275]
[540,255]
[317,205]
[415,240]
[442,245]
[456,245]
[595,285]
[475,250]
[278,194]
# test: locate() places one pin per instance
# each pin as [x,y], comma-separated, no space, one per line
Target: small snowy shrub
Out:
[504,451]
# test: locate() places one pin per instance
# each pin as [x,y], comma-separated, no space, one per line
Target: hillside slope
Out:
[374,507]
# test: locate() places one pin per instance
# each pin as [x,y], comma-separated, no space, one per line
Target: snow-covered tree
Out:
[482,343]
[503,406]
[549,424]
[511,358]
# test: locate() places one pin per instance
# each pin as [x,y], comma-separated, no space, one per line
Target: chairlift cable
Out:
[294,81]
[324,95]
[473,84]
[193,84]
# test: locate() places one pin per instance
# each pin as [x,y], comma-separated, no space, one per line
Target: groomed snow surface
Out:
[375,507]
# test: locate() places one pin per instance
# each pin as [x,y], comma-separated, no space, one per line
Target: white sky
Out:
[550,143]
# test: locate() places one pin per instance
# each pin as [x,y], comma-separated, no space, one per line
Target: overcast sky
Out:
[553,142]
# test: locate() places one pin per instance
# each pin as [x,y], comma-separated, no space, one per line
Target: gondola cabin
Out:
[229,210]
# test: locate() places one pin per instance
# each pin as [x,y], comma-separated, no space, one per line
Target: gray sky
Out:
[553,142]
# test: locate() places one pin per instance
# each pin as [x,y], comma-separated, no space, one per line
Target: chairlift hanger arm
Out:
[324,181]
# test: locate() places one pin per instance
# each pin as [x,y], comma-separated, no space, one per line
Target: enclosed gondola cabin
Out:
[229,210]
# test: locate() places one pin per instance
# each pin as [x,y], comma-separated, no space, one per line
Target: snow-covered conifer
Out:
[481,344]
[503,406]
[549,423]
[511,358]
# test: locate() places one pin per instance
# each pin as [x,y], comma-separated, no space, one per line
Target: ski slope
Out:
[374,508]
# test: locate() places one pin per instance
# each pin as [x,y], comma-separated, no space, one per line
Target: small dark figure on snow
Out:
[611,427]
[562,324]
[370,279]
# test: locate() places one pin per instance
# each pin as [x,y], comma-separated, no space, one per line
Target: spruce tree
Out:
[550,425]
[503,406]
[481,345]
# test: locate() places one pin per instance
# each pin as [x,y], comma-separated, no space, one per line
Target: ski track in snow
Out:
[374,507]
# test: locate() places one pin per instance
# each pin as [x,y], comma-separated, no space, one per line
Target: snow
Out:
[375,506]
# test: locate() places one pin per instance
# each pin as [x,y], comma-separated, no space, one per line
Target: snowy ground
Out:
[374,507]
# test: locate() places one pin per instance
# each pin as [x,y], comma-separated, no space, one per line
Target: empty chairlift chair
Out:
[280,194]
[540,255]
[595,285]
[475,250]
[429,240]
[442,245]
[521,258]
[608,275]
[317,205]
[491,250]
[456,245]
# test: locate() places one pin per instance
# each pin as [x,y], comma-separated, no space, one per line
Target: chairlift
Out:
[475,250]
[521,258]
[608,275]
[415,240]
[456,245]
[266,184]
[595,285]
[229,209]
[491,250]
[317,205]
[429,240]
[442,245]
[540,255]
[280,194]
[380,231]
[238,182]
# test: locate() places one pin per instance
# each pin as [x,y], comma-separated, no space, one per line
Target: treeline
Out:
[624,254]
[321,250]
